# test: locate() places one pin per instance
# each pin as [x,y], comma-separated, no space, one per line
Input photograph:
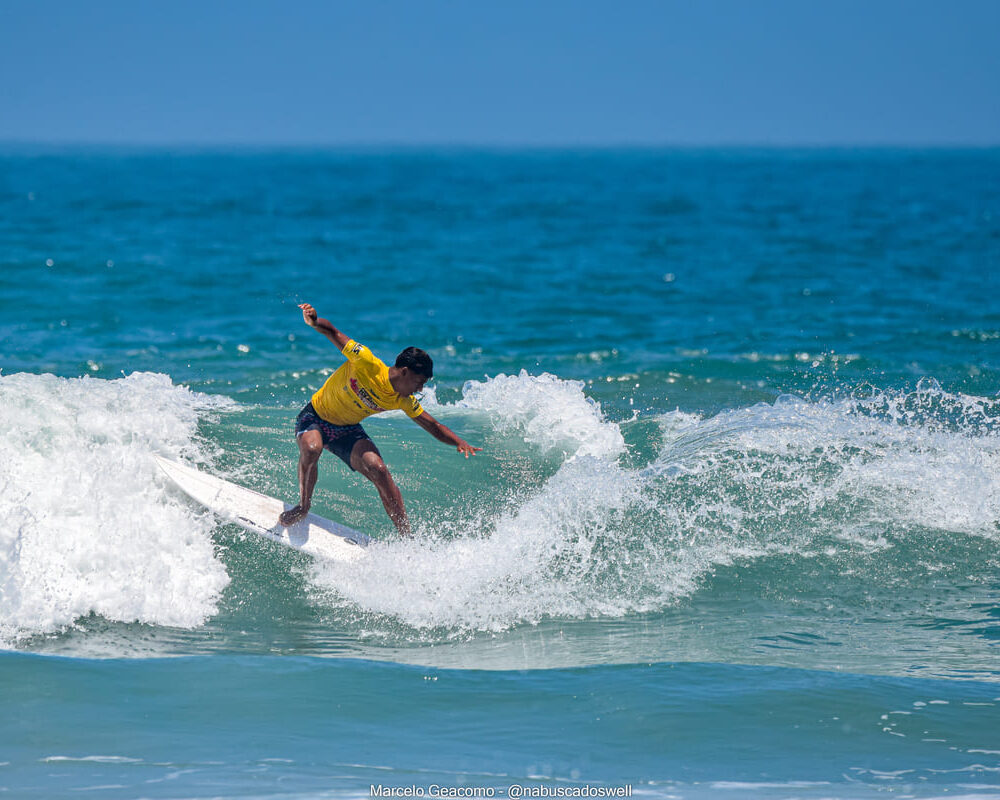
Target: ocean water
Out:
[734,532]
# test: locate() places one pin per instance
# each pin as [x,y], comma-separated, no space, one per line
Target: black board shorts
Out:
[338,439]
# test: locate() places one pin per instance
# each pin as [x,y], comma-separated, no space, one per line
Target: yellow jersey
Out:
[359,389]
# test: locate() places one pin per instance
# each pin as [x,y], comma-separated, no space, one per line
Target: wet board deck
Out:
[259,513]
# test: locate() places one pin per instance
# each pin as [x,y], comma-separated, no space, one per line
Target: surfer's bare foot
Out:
[293,515]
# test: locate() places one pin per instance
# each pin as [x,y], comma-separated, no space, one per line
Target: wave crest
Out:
[84,525]
[833,482]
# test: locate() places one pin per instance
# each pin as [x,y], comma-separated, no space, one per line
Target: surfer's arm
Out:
[324,326]
[445,434]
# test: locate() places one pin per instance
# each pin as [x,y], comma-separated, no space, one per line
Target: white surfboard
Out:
[259,513]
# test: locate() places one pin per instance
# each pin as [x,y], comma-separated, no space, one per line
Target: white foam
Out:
[922,458]
[538,560]
[837,479]
[550,413]
[841,479]
[556,554]
[85,526]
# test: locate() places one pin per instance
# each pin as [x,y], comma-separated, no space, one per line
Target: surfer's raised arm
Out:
[324,326]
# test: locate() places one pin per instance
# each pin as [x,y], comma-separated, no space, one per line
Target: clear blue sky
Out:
[505,72]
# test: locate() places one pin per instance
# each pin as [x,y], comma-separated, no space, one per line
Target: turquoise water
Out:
[735,530]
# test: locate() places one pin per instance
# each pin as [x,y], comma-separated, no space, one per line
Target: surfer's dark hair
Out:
[417,360]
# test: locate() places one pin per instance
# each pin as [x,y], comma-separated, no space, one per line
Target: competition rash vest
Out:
[359,389]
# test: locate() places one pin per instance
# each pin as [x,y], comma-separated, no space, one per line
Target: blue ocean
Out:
[734,531]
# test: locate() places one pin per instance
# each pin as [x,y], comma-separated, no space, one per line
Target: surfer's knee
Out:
[311,445]
[363,455]
[373,467]
[379,473]
[376,469]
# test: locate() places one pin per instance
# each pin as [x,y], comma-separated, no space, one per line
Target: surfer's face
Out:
[409,382]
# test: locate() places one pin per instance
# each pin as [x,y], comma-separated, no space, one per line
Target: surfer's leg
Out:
[366,459]
[310,449]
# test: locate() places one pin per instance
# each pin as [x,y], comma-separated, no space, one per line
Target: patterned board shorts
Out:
[338,439]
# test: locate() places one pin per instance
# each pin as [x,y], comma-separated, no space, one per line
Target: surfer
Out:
[362,386]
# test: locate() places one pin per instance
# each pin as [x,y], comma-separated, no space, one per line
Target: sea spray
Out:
[827,481]
[85,524]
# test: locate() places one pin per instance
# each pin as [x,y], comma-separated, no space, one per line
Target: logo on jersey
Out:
[364,396]
[356,349]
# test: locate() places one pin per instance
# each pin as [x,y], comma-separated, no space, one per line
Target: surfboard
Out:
[259,513]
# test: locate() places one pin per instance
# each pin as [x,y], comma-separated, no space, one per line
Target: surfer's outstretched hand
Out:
[309,314]
[467,449]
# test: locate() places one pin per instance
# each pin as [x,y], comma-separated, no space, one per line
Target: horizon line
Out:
[444,144]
